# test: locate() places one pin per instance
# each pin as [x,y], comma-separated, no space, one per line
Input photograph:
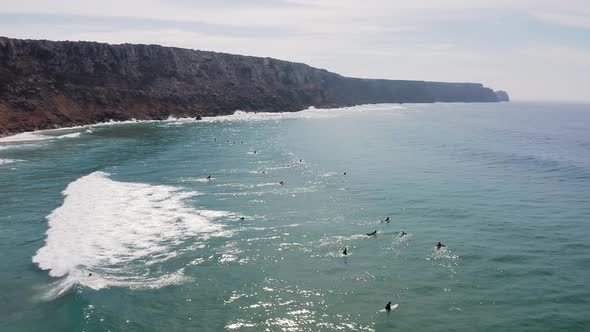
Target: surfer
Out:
[373,233]
[242,218]
[388,306]
[209,178]
[439,245]
[90,274]
[345,252]
[386,220]
[344,173]
[300,160]
[282,183]
[254,151]
[402,234]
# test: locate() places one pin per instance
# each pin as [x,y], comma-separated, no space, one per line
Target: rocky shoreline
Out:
[47,84]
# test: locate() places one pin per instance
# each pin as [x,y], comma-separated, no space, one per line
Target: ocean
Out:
[115,227]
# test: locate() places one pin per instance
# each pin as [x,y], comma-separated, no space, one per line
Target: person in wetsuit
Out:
[402,234]
[439,245]
[373,233]
[345,252]
[388,306]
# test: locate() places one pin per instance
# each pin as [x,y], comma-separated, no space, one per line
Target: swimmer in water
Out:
[386,220]
[439,245]
[402,234]
[344,173]
[242,218]
[282,183]
[345,252]
[209,178]
[373,233]
[388,306]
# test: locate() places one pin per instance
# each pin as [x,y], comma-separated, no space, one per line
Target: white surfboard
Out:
[393,307]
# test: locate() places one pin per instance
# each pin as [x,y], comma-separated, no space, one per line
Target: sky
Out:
[537,50]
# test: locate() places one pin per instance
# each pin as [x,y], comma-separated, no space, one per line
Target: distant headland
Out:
[47,84]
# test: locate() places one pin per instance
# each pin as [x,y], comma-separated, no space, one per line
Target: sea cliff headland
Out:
[48,84]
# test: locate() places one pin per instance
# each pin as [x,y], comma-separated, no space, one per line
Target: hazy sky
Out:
[534,49]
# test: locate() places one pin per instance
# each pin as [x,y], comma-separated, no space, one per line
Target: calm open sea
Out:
[116,227]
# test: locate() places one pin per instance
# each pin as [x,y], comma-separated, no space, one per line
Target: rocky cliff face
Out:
[45,84]
[502,95]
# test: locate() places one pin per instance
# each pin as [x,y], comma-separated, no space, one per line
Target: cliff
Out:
[502,95]
[46,84]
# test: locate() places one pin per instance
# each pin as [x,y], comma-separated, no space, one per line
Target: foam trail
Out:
[115,229]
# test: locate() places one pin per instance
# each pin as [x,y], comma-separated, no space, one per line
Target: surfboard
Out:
[393,307]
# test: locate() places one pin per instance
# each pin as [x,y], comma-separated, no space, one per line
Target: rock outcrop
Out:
[502,95]
[47,84]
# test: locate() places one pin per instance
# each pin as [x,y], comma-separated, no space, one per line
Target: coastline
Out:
[150,82]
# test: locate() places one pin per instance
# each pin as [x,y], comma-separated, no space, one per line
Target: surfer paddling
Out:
[209,178]
[388,306]
[402,234]
[373,233]
[387,220]
[439,245]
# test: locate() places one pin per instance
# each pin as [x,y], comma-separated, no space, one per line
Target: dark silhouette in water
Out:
[388,306]
[345,252]
[282,183]
[254,151]
[209,177]
[344,173]
[242,218]
[373,233]
[402,234]
[386,220]
[90,274]
[439,245]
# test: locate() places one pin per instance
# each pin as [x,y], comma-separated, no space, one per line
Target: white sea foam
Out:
[40,135]
[8,161]
[24,137]
[310,113]
[72,135]
[193,179]
[115,229]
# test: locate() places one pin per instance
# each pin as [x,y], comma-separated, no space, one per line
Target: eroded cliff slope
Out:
[45,84]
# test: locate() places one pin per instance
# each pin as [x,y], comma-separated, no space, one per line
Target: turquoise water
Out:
[116,228]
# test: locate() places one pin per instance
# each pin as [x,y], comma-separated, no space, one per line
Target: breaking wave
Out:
[109,233]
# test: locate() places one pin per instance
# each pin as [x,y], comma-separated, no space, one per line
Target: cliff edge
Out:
[46,84]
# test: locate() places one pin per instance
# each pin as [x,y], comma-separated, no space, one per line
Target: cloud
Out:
[501,43]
